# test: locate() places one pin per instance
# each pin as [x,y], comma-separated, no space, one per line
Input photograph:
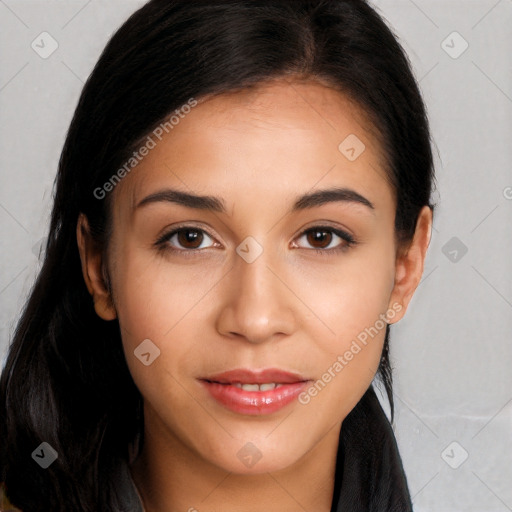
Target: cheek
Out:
[349,304]
[153,295]
[348,296]
[162,303]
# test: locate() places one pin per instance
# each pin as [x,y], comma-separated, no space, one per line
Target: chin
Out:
[254,457]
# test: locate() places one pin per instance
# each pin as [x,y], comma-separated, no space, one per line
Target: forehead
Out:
[282,137]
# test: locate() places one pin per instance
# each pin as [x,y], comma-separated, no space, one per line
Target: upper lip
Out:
[246,376]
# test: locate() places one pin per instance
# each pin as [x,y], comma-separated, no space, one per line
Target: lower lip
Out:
[254,402]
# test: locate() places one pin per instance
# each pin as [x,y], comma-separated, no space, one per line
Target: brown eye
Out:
[190,238]
[319,239]
[327,240]
[185,239]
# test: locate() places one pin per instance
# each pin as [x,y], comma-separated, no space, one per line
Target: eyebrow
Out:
[216,204]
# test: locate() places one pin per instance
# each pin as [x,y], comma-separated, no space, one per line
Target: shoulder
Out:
[5,504]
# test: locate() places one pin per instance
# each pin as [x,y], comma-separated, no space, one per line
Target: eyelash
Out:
[348,239]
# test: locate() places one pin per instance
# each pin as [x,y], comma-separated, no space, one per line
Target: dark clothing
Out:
[369,473]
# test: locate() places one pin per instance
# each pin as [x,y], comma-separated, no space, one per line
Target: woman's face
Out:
[270,273]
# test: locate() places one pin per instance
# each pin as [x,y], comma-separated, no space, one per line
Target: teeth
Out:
[250,387]
[256,387]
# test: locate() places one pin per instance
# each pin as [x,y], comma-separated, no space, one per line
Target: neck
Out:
[171,477]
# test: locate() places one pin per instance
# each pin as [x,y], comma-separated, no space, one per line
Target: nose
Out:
[259,305]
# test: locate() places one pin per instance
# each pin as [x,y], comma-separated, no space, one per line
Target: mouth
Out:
[266,386]
[255,392]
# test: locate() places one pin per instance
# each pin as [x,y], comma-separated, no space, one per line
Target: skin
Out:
[292,308]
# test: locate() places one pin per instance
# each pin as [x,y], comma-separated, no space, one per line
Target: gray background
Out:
[452,352]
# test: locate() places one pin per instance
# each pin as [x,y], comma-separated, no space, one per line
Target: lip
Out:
[221,387]
[246,376]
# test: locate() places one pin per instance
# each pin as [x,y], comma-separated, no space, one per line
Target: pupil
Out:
[189,236]
[318,236]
